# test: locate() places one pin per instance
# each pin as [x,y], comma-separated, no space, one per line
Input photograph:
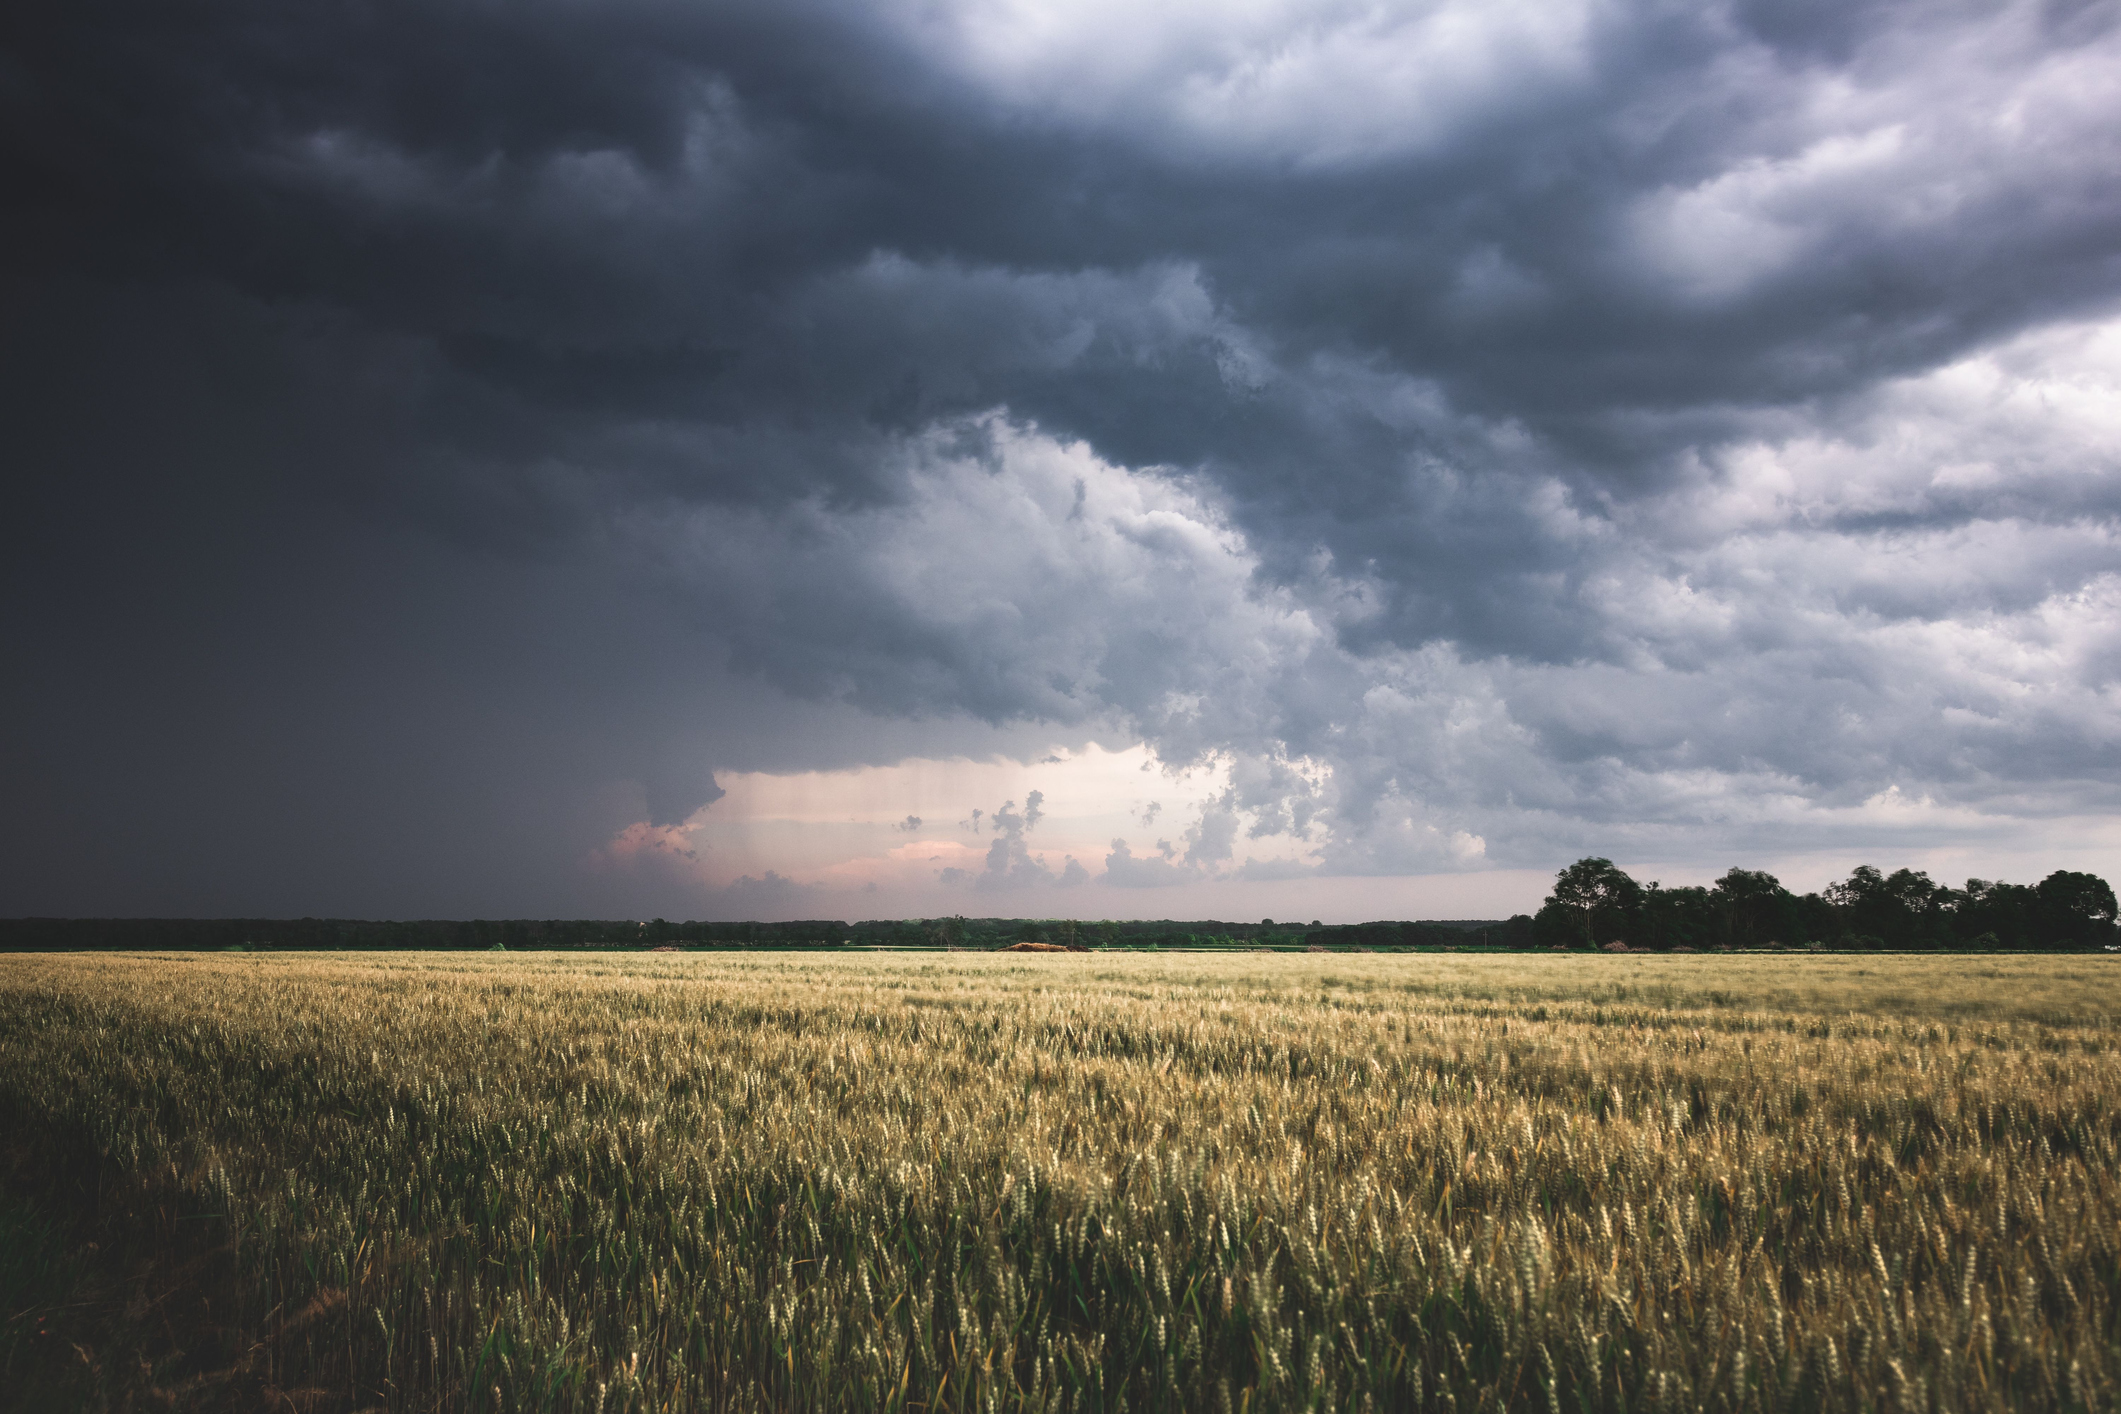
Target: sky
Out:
[655,458]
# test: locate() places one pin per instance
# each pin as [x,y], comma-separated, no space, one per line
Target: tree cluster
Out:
[1595,904]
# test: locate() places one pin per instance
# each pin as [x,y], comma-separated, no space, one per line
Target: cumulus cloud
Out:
[1743,693]
[1124,869]
[1010,863]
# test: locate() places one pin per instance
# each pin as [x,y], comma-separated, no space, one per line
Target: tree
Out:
[2074,908]
[1900,910]
[2004,914]
[1752,907]
[1683,917]
[1863,883]
[1601,899]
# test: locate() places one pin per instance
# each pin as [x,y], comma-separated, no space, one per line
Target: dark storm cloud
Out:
[600,216]
[367,365]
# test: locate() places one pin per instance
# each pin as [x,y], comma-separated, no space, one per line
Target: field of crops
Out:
[970,1182]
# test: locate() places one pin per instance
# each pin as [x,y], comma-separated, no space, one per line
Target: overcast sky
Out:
[1348,459]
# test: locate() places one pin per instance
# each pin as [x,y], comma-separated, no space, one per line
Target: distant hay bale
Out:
[1040,947]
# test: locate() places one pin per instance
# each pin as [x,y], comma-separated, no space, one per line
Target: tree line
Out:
[563,934]
[411,934]
[1595,904]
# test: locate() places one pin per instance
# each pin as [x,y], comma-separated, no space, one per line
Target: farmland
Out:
[971,1182]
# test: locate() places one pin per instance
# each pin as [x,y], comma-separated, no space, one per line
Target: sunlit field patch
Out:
[1094,1182]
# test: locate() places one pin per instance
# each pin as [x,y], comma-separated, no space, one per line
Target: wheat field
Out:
[1099,1183]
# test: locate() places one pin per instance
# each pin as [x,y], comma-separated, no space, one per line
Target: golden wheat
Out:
[1094,1183]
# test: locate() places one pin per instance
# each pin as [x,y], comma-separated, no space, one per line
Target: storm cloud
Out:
[445,436]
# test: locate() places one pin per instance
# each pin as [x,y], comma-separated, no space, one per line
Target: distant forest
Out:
[1593,905]
[193,934]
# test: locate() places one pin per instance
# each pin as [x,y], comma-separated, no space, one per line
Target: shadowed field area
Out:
[1060,1181]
